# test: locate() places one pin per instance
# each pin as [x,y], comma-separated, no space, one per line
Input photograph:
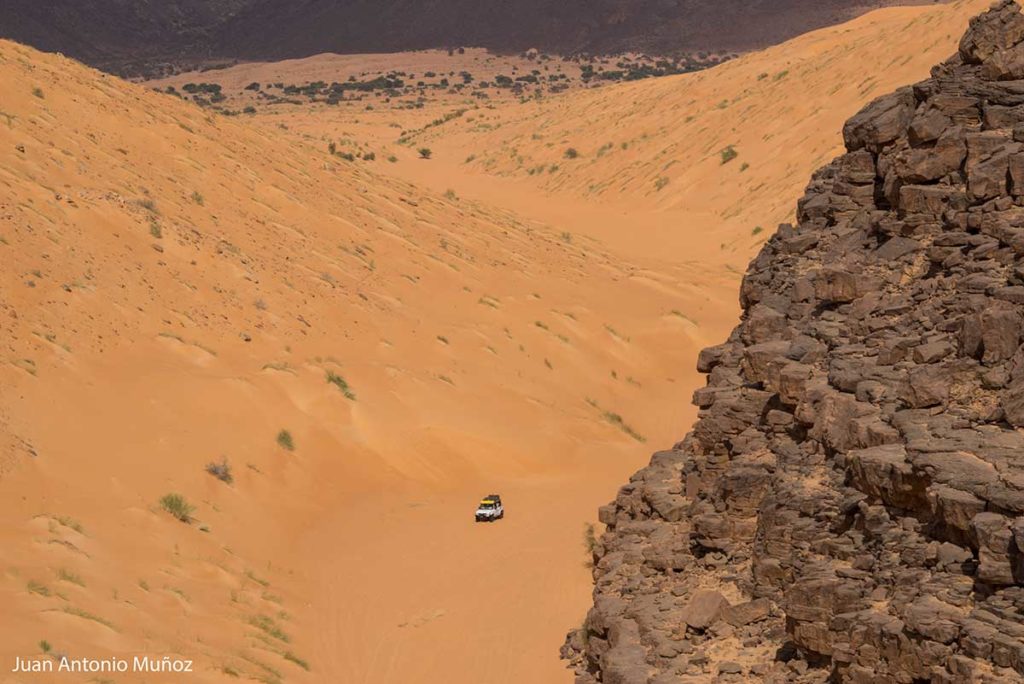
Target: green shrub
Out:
[425,153]
[68,521]
[339,382]
[297,660]
[269,626]
[285,441]
[68,576]
[728,154]
[589,538]
[571,153]
[178,506]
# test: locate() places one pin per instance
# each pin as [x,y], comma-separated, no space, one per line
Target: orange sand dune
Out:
[177,288]
[662,146]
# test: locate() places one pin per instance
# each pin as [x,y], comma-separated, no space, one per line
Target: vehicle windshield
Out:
[488,505]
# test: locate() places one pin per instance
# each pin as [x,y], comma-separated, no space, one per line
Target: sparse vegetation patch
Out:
[339,382]
[221,470]
[178,506]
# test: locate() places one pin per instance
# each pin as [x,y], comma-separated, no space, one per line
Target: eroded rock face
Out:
[850,504]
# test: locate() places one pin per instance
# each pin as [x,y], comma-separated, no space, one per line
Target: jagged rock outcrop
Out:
[850,505]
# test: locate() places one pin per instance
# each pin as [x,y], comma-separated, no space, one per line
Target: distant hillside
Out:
[129,37]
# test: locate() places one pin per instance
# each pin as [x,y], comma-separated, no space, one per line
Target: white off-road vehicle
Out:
[490,509]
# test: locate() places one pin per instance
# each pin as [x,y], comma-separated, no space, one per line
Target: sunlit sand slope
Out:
[181,291]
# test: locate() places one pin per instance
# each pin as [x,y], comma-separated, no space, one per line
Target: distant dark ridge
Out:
[126,36]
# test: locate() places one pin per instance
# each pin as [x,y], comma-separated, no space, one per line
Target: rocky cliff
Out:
[850,504]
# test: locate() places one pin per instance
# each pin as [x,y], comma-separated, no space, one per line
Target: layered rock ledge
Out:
[850,504]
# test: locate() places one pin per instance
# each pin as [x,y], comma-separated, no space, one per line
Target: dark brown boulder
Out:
[881,122]
[704,608]
[998,30]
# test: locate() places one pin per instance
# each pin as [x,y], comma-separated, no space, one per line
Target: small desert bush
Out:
[68,576]
[297,660]
[269,626]
[178,506]
[68,521]
[617,420]
[339,382]
[425,153]
[221,471]
[728,154]
[589,538]
[285,440]
[571,153]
